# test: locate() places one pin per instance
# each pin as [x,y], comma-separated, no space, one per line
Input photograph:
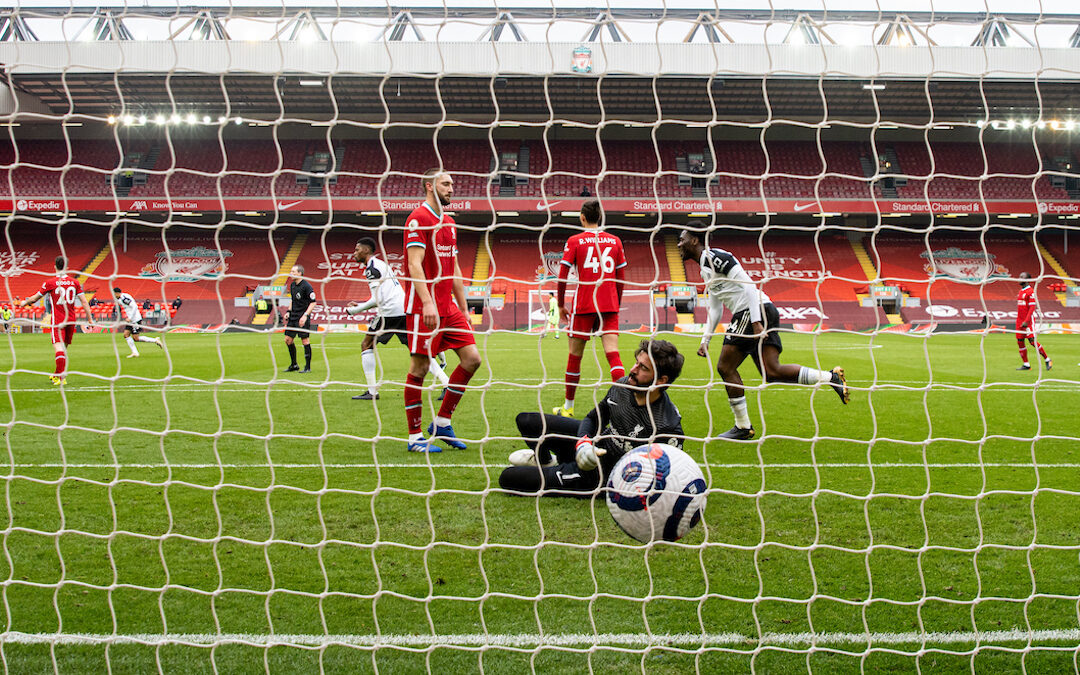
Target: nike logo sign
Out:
[803,207]
[540,206]
[282,205]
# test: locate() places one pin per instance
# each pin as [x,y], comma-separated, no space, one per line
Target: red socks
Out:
[573,376]
[455,389]
[615,361]
[413,407]
[61,363]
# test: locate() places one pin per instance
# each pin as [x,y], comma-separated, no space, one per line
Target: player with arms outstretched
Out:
[752,331]
[598,258]
[437,311]
[1025,323]
[133,327]
[564,455]
[63,291]
[388,299]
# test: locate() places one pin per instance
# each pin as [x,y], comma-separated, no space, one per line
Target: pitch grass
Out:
[823,525]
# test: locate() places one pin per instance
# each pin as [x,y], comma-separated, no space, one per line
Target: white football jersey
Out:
[129,307]
[386,290]
[729,285]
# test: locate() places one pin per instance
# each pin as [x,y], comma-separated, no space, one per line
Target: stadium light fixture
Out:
[507,213]
[311,83]
[159,119]
[310,213]
[191,119]
[635,215]
[570,214]
[222,119]
[874,86]
[175,119]
[980,123]
[238,121]
[111,119]
[249,213]
[129,119]
[73,124]
[1026,124]
[1070,125]
[1010,125]
[206,119]
[142,119]
[698,215]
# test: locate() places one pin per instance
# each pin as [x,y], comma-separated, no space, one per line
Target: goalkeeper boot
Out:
[1049,364]
[839,384]
[1025,367]
[446,435]
[57,380]
[527,457]
[737,434]
[423,445]
[292,369]
[366,396]
[562,411]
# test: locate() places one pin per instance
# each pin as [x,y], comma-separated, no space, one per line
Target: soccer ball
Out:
[656,491]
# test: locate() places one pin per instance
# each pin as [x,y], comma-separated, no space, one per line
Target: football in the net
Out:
[655,492]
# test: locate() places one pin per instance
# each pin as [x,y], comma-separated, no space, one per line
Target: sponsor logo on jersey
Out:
[192,264]
[962,265]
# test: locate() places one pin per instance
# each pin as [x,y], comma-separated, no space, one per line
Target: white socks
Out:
[442,421]
[738,407]
[367,360]
[435,369]
[131,343]
[811,376]
[568,404]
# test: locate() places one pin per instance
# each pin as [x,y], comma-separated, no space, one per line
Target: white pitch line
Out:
[525,640]
[498,465]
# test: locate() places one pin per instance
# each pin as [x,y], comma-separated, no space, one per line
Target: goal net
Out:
[205,491]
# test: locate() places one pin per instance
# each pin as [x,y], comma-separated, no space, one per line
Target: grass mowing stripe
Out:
[556,639]
[433,465]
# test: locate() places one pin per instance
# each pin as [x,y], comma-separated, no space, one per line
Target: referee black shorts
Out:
[293,327]
[386,328]
[740,332]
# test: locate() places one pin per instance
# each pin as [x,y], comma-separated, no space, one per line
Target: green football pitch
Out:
[199,510]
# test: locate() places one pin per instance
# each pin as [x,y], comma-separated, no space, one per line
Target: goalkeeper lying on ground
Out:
[564,455]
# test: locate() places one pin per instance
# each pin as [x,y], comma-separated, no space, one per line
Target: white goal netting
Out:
[890,179]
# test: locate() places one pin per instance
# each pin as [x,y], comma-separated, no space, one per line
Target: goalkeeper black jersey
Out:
[624,425]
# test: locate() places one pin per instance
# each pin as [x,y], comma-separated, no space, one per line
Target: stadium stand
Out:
[799,170]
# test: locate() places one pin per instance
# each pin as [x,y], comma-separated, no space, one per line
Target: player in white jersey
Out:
[388,299]
[132,329]
[753,331]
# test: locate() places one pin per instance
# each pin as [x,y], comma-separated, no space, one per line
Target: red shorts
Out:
[452,332]
[63,333]
[1025,333]
[585,326]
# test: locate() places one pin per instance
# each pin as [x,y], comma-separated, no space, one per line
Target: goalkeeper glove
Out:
[588,455]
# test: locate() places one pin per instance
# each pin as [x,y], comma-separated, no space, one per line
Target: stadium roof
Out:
[483,64]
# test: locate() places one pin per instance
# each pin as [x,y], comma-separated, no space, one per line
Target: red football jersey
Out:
[63,292]
[1025,305]
[438,237]
[595,255]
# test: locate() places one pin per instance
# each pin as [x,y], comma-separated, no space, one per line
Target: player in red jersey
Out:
[1025,323]
[600,263]
[62,291]
[436,311]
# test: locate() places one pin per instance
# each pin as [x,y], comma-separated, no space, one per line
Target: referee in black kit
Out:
[302,297]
